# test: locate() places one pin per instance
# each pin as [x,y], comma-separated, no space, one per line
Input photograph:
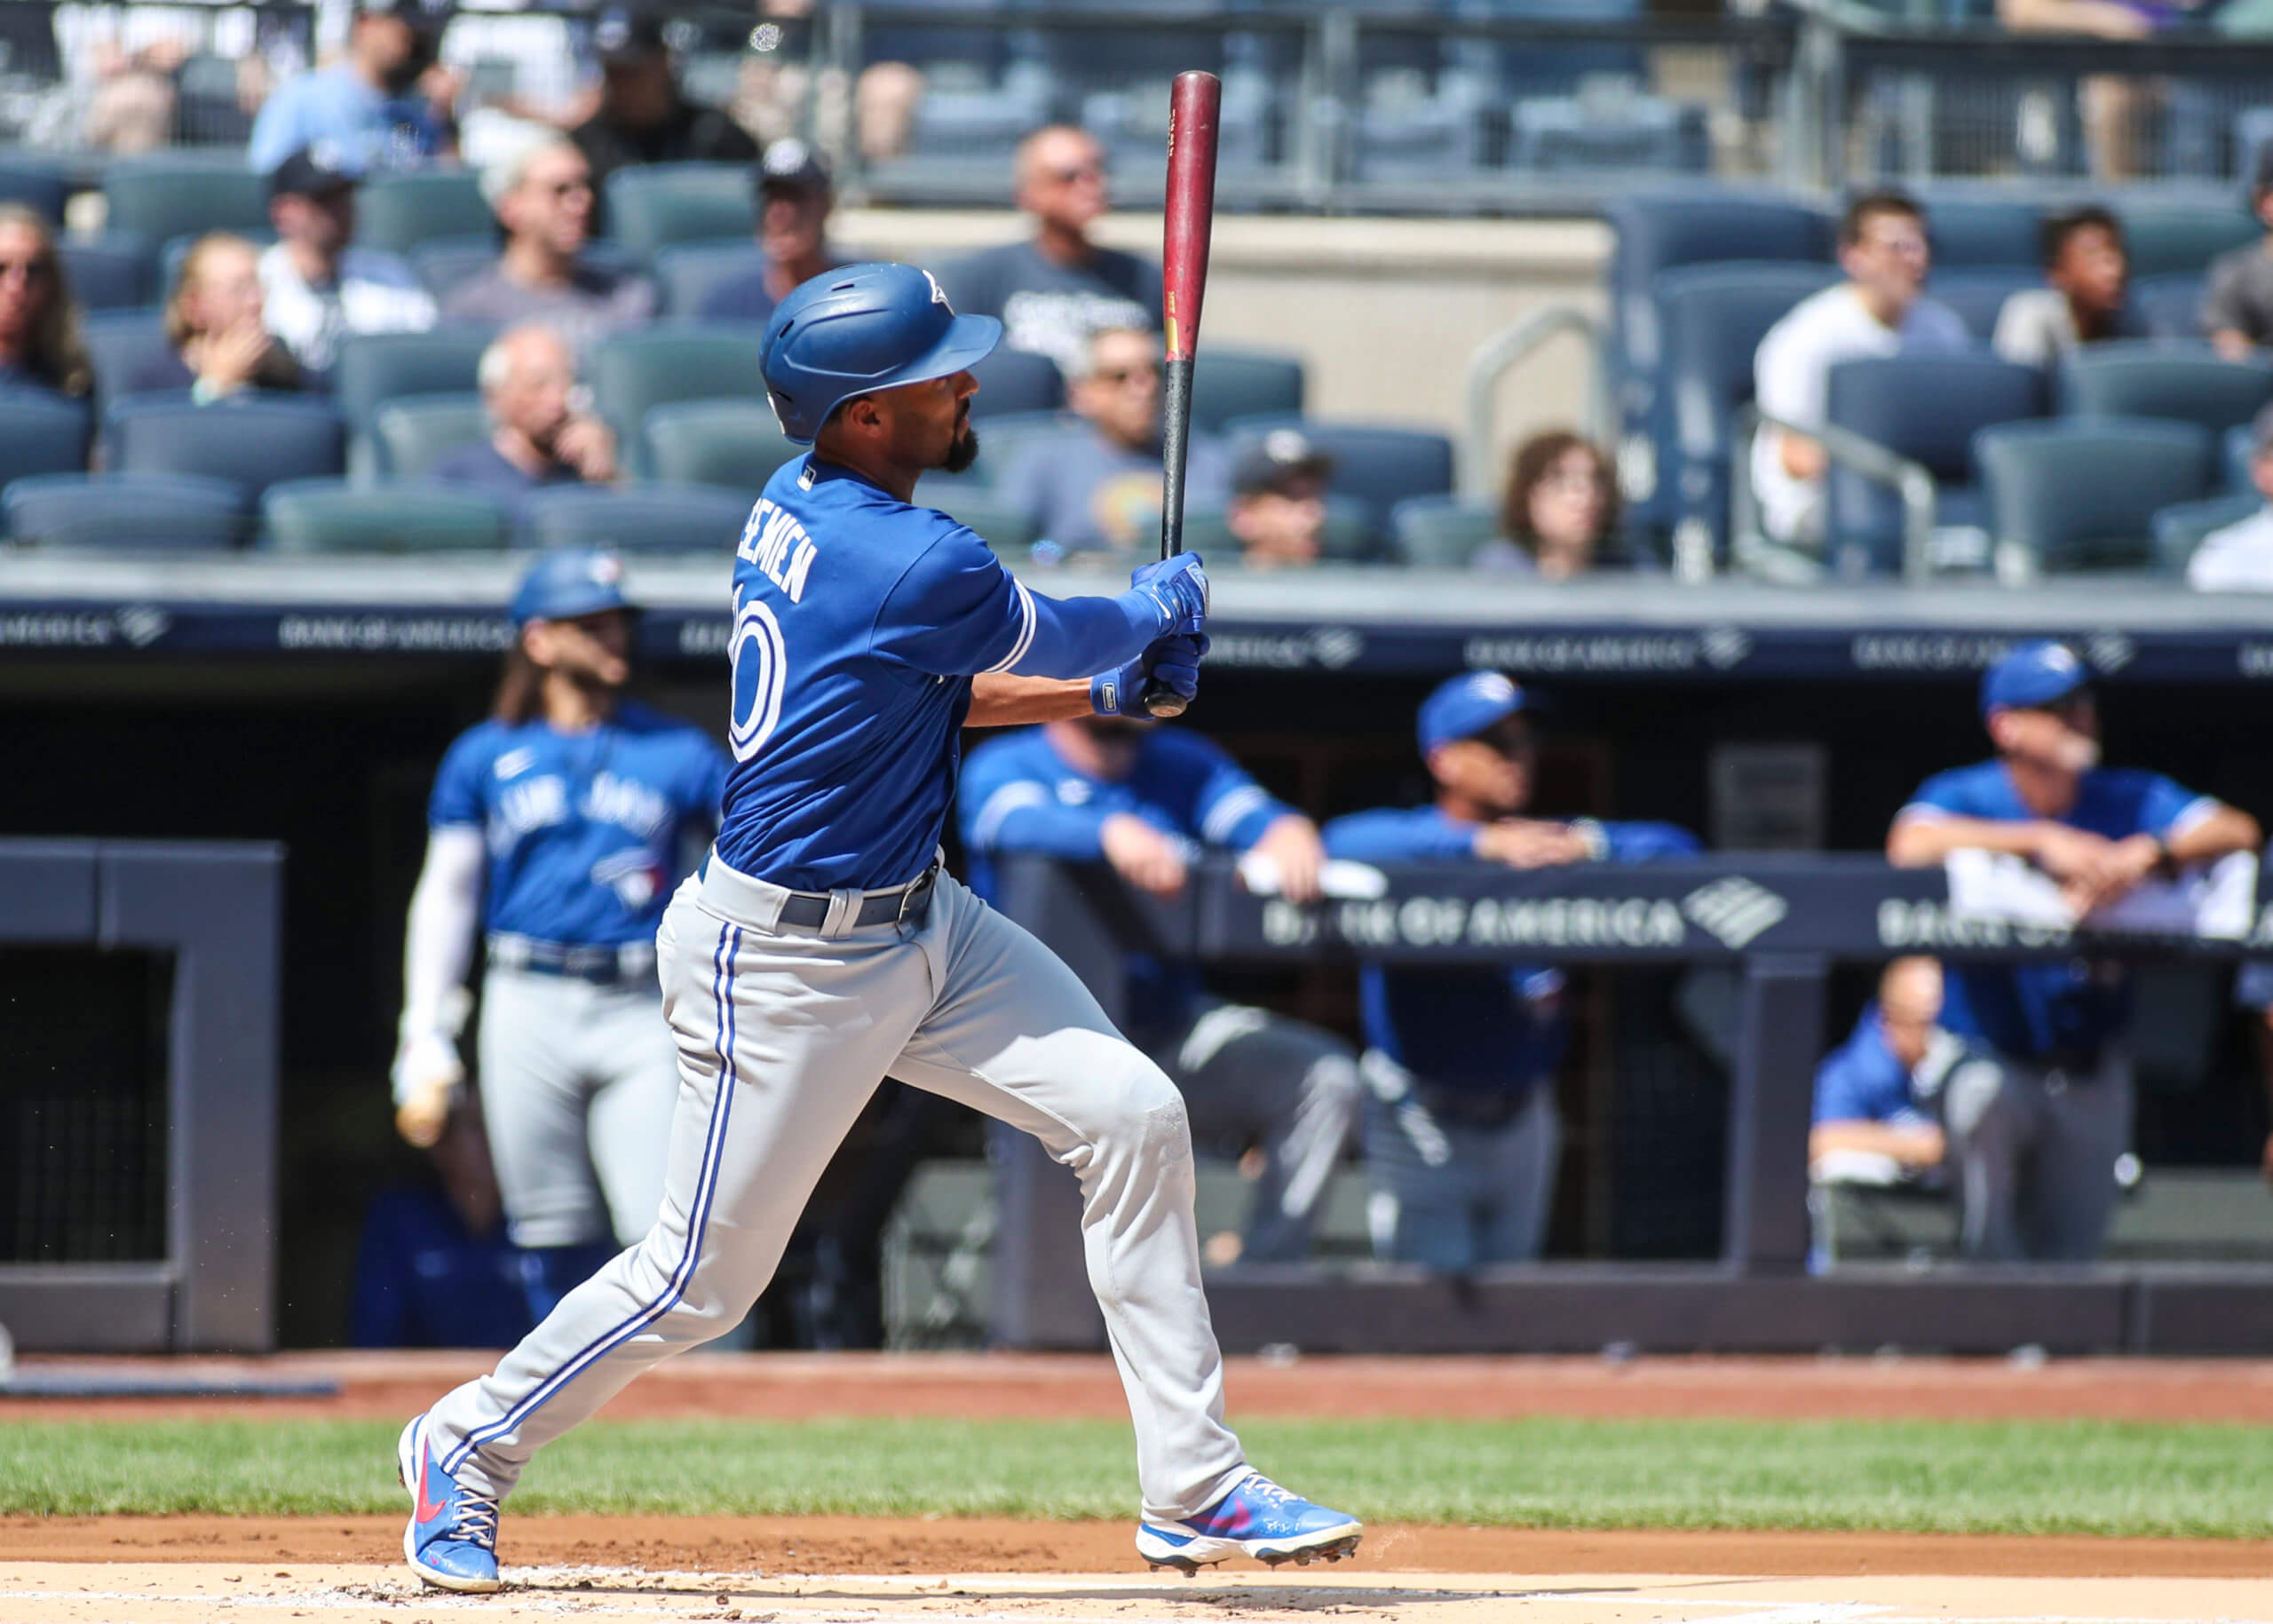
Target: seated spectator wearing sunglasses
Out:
[40,347]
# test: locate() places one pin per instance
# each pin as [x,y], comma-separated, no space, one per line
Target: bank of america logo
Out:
[1735,910]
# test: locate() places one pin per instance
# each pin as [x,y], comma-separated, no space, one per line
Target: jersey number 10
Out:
[761,672]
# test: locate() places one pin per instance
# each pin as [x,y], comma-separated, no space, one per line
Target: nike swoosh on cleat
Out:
[427,1510]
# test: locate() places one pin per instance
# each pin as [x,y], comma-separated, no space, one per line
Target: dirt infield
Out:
[343,1570]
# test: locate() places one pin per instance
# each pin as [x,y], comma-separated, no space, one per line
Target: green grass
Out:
[2001,1477]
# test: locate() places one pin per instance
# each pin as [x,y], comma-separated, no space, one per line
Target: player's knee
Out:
[1144,1113]
[1333,1080]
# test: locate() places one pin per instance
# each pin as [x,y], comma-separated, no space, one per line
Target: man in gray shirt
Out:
[1057,288]
[2237,306]
[542,193]
[1097,488]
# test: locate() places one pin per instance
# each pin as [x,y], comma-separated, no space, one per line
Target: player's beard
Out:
[962,450]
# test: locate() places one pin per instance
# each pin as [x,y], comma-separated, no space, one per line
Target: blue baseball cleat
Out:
[452,1538]
[1256,1519]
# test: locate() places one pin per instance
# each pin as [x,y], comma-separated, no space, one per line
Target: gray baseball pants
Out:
[782,1036]
[577,1084]
[1452,1195]
[2034,1149]
[1253,1077]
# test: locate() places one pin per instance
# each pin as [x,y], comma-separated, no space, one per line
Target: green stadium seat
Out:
[632,373]
[414,431]
[689,518]
[374,369]
[1228,383]
[2164,232]
[2188,383]
[400,211]
[736,444]
[1443,532]
[41,433]
[126,511]
[257,442]
[650,206]
[2179,530]
[2073,495]
[164,197]
[332,516]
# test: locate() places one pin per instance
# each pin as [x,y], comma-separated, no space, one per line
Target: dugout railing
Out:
[1784,921]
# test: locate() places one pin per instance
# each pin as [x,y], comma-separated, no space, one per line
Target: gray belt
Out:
[808,910]
[767,906]
[601,964]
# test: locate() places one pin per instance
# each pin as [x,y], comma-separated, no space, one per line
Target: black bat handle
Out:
[1175,443]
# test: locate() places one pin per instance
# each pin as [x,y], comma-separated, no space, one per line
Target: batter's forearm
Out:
[1000,699]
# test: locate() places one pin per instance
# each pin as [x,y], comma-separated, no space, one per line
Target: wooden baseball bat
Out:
[1192,108]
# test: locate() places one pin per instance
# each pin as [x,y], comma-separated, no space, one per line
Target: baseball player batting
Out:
[820,946]
[564,819]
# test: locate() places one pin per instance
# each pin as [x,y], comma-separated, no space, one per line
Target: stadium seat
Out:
[125,510]
[1977,230]
[1701,225]
[2179,529]
[687,272]
[1378,466]
[376,367]
[1978,296]
[735,445]
[1235,382]
[35,188]
[162,198]
[1008,531]
[412,432]
[650,206]
[2167,233]
[111,272]
[1432,137]
[255,442]
[2183,381]
[2170,303]
[1443,532]
[1352,534]
[1629,134]
[2067,496]
[41,433]
[1016,381]
[442,263]
[692,518]
[631,373]
[1715,317]
[2237,453]
[332,516]
[120,342]
[400,210]
[1926,408]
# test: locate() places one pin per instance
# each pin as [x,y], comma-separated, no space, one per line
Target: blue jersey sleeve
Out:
[1391,836]
[1220,803]
[460,782]
[1647,843]
[1003,806]
[1861,1081]
[276,133]
[2165,807]
[955,612]
[1946,795]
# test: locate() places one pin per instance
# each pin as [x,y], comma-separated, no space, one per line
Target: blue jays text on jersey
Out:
[1495,1030]
[583,830]
[2055,1009]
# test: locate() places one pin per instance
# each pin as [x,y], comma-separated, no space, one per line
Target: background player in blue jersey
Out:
[819,948]
[1461,1131]
[2035,1136]
[561,826]
[1145,799]
[1878,1096]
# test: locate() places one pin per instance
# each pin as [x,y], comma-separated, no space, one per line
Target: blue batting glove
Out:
[1174,660]
[1179,589]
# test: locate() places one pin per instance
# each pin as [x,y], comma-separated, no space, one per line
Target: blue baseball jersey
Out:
[1492,1030]
[859,623]
[2067,1007]
[1020,794]
[584,830]
[1862,1080]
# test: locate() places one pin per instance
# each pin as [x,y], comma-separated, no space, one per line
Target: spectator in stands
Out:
[2117,108]
[435,1268]
[135,98]
[1055,289]
[2037,1127]
[365,112]
[1461,1131]
[315,288]
[642,117]
[219,345]
[1093,489]
[1277,510]
[538,438]
[40,346]
[2238,303]
[1147,800]
[2087,301]
[1880,309]
[1877,1095]
[2239,557]
[1562,503]
[794,198]
[541,191]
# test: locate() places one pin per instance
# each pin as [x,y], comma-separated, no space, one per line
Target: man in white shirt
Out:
[316,290]
[1880,309]
[2239,557]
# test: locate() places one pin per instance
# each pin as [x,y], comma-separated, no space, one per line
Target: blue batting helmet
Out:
[859,328]
[568,581]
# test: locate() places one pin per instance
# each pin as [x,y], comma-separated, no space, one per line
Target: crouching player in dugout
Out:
[1461,1131]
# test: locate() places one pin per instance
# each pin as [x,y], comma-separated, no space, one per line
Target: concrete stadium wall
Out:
[1385,313]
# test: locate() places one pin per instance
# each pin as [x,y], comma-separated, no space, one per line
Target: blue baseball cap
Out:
[2033,675]
[1465,705]
[568,581]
